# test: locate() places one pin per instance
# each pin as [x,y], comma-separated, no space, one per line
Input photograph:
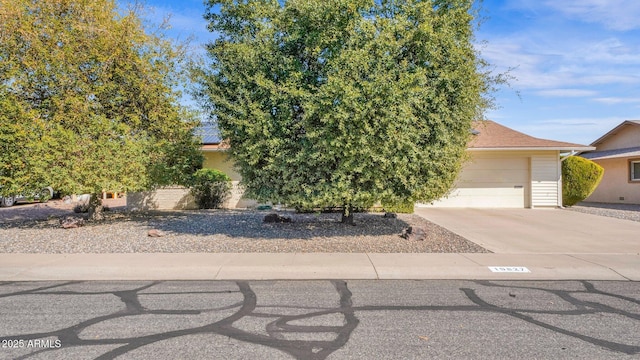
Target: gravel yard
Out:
[619,211]
[229,231]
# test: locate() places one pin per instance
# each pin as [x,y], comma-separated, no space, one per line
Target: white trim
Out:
[585,148]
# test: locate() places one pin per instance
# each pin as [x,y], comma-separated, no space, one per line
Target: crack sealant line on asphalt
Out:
[604,266]
[373,266]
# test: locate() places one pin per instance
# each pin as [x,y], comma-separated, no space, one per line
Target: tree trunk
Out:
[95,208]
[347,214]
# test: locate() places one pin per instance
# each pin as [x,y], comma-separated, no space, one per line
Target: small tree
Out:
[210,188]
[88,101]
[347,102]
[580,177]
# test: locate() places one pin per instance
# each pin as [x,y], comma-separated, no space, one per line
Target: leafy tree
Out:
[88,100]
[344,102]
[580,178]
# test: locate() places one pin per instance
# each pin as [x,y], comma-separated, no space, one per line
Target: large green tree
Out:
[345,102]
[88,100]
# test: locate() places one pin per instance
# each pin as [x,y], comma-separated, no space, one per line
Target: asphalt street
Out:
[330,319]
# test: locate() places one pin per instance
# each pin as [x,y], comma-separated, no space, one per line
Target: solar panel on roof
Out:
[209,134]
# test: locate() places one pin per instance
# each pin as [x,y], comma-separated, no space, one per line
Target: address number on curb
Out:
[509,269]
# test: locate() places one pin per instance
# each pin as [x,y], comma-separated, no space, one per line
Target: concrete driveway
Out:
[539,231]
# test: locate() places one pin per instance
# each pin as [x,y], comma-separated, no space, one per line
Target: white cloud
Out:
[620,15]
[617,100]
[540,60]
[611,50]
[567,93]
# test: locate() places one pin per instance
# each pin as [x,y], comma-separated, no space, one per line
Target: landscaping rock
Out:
[275,218]
[71,222]
[155,233]
[390,215]
[414,233]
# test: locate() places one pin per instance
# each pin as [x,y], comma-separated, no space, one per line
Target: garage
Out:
[509,169]
[491,179]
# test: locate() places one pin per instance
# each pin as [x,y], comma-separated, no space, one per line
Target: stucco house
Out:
[509,169]
[178,197]
[618,152]
[215,157]
[506,168]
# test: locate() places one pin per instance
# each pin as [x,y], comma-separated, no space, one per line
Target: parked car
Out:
[42,196]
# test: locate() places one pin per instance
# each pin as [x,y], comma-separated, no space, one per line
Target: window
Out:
[634,170]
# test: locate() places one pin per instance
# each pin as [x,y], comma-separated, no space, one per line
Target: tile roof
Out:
[491,135]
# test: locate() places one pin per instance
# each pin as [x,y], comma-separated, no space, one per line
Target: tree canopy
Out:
[88,100]
[344,102]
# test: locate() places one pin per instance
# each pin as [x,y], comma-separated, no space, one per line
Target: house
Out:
[509,169]
[506,168]
[618,152]
[178,197]
[215,157]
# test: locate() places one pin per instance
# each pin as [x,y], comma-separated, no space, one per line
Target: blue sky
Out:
[576,63]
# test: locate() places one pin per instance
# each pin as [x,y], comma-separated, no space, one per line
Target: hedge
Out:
[580,177]
[210,188]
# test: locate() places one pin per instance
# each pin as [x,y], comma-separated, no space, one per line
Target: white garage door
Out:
[491,180]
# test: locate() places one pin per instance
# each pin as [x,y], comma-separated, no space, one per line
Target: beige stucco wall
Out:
[628,136]
[615,183]
[179,198]
[168,198]
[219,160]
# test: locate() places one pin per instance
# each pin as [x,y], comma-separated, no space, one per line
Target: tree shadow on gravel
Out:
[249,224]
[242,224]
[240,231]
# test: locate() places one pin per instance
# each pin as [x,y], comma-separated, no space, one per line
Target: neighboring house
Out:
[215,157]
[178,197]
[509,169]
[618,152]
[506,169]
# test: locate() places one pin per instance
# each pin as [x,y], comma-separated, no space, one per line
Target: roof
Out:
[210,137]
[209,134]
[612,154]
[615,130]
[489,135]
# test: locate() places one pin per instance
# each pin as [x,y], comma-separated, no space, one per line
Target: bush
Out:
[403,207]
[210,188]
[580,177]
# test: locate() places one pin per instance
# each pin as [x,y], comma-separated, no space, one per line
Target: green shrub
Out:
[580,177]
[403,207]
[210,188]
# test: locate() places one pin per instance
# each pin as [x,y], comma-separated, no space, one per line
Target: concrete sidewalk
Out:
[298,266]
